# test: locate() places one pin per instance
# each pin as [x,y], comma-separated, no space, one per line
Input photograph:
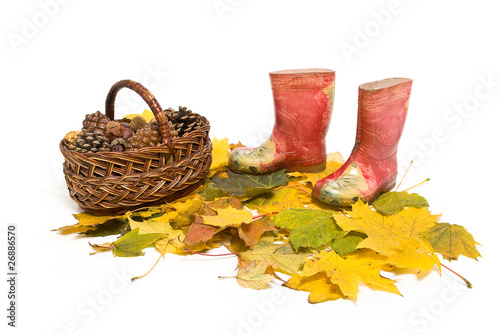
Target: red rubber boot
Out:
[372,166]
[303,102]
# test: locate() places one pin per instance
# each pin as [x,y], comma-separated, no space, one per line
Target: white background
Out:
[60,59]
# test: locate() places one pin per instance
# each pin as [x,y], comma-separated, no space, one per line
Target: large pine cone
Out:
[183,121]
[147,136]
[90,141]
[96,122]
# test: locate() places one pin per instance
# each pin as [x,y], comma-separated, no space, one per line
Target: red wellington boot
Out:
[372,166]
[303,102]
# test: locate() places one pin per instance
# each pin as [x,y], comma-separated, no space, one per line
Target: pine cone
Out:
[170,125]
[147,136]
[183,121]
[70,138]
[96,122]
[90,141]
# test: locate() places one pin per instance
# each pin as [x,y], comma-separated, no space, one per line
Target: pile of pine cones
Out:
[100,134]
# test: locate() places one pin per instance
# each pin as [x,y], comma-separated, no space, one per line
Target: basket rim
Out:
[203,129]
[130,152]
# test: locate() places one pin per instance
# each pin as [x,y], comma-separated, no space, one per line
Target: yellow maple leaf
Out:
[148,211]
[229,217]
[161,224]
[350,270]
[186,211]
[319,286]
[334,161]
[451,240]
[188,204]
[156,225]
[146,114]
[87,221]
[281,199]
[281,257]
[174,246]
[220,154]
[395,236]
[254,276]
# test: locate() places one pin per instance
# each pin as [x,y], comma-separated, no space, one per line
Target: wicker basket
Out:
[106,183]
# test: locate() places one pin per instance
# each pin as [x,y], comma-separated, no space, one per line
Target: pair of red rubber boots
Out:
[303,103]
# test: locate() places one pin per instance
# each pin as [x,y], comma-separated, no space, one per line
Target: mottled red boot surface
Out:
[303,102]
[372,166]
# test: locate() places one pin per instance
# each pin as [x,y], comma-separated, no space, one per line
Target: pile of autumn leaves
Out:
[277,231]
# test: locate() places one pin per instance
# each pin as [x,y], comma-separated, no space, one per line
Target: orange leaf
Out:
[199,232]
[251,232]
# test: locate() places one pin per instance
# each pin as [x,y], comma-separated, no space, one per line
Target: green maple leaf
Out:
[451,241]
[390,203]
[212,192]
[244,186]
[132,243]
[110,227]
[347,242]
[309,227]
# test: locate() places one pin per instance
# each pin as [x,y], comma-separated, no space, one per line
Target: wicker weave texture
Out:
[115,182]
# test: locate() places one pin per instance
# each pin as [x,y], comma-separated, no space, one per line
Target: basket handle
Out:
[164,128]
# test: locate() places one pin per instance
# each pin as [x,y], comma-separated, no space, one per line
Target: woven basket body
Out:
[107,183]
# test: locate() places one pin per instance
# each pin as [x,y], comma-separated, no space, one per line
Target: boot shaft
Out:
[382,109]
[303,102]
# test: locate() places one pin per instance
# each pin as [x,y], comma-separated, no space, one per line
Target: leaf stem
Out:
[327,248]
[404,176]
[303,190]
[224,277]
[161,255]
[468,283]
[428,179]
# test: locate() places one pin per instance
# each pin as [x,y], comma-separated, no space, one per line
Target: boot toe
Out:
[345,190]
[239,161]
[254,160]
[336,193]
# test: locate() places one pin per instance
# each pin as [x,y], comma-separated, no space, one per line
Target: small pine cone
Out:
[91,141]
[69,138]
[147,136]
[96,122]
